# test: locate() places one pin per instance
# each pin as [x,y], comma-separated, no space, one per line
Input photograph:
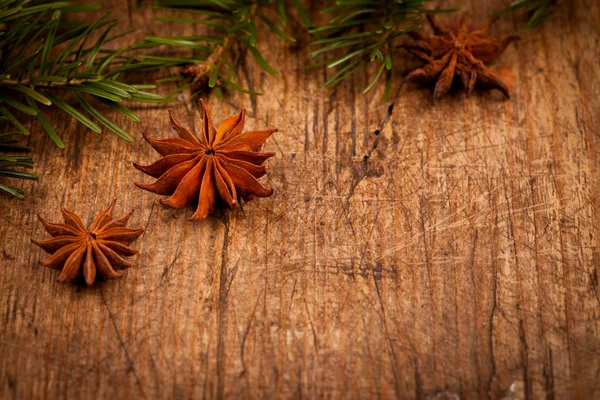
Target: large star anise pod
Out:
[457,50]
[223,164]
[98,250]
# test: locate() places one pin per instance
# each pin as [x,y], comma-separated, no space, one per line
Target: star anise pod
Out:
[98,250]
[198,75]
[223,164]
[457,50]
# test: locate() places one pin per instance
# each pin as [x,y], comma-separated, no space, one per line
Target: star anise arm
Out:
[445,80]
[472,81]
[208,129]
[464,78]
[58,229]
[231,193]
[468,80]
[89,267]
[222,188]
[167,182]
[231,126]
[72,267]
[163,164]
[251,156]
[113,258]
[487,79]
[438,28]
[246,183]
[72,219]
[430,71]
[505,41]
[251,140]
[421,50]
[183,133]
[119,222]
[57,260]
[208,195]
[102,264]
[188,188]
[171,146]
[467,75]
[104,217]
[256,170]
[123,235]
[52,245]
[119,248]
[463,28]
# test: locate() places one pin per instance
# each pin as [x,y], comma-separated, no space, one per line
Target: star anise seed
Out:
[98,250]
[223,164]
[457,50]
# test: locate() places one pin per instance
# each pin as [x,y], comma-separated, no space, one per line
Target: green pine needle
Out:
[37,76]
[12,166]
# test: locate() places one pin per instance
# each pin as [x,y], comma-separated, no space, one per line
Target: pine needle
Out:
[36,79]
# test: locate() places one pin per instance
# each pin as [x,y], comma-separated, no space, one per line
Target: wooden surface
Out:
[409,251]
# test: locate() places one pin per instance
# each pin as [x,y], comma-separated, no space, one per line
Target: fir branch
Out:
[11,165]
[365,32]
[232,23]
[538,10]
[45,61]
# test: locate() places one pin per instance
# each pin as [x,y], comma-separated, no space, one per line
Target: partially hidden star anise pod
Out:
[457,50]
[199,76]
[223,164]
[98,250]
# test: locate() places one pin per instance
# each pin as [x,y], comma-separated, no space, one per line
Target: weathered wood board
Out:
[409,250]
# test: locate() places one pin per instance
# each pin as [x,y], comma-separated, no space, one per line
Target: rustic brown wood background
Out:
[409,251]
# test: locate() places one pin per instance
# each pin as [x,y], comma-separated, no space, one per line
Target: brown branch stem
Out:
[199,70]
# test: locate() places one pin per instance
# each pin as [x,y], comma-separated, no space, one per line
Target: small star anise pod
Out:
[199,76]
[457,50]
[97,250]
[223,164]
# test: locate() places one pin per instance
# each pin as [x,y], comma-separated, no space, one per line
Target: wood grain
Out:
[409,251]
